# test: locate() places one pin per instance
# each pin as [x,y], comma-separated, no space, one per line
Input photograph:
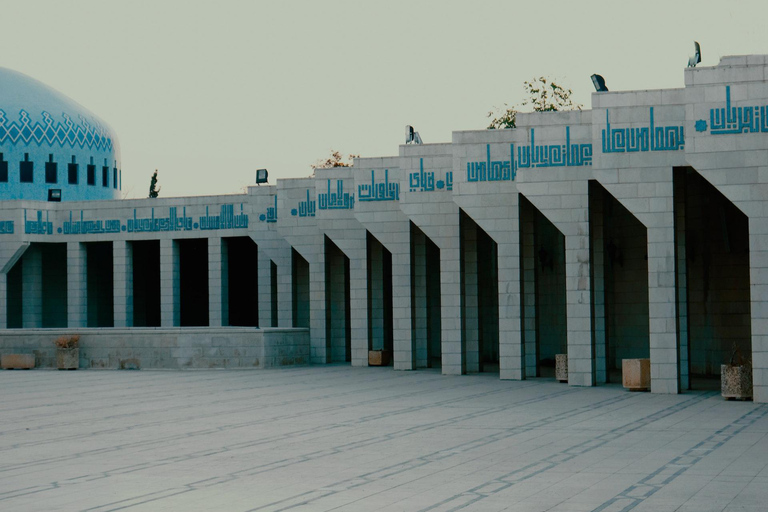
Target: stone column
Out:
[284,292]
[3,300]
[264,292]
[32,288]
[682,284]
[77,285]
[528,291]
[358,305]
[216,283]
[469,295]
[122,270]
[597,239]
[319,343]
[662,302]
[453,348]
[418,350]
[169,283]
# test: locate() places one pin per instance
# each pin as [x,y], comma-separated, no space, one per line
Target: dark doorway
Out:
[146,283]
[101,309]
[193,282]
[242,281]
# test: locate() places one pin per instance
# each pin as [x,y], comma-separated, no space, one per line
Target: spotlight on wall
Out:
[54,194]
[692,61]
[261,176]
[412,137]
[599,83]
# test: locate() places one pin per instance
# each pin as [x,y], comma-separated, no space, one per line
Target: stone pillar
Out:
[358,305]
[418,349]
[758,277]
[169,283]
[32,288]
[3,300]
[597,229]
[284,292]
[453,349]
[528,290]
[217,293]
[319,348]
[469,295]
[77,285]
[404,355]
[510,335]
[662,300]
[264,292]
[122,271]
[682,284]
[376,286]
[578,310]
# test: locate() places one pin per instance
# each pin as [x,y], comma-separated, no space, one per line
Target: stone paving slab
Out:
[350,439]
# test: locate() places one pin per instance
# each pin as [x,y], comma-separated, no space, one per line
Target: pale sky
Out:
[207,92]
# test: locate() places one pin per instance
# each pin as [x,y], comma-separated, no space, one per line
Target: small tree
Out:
[335,160]
[154,190]
[543,95]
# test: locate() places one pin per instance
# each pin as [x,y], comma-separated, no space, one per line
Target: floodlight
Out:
[261,176]
[411,136]
[599,83]
[692,61]
[54,194]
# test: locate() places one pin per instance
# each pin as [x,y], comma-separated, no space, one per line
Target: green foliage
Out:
[154,190]
[542,95]
[335,160]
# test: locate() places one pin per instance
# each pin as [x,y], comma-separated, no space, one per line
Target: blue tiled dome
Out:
[48,141]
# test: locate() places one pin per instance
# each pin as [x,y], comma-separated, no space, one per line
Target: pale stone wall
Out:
[143,348]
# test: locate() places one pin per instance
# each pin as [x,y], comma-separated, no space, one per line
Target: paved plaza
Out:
[358,439]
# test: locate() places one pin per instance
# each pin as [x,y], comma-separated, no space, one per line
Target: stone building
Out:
[636,229]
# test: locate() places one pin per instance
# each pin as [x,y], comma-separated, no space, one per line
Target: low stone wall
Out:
[167,348]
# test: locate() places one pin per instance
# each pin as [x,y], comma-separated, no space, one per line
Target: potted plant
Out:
[68,352]
[736,376]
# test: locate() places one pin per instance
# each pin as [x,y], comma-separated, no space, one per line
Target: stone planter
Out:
[67,358]
[379,357]
[636,374]
[736,381]
[561,367]
[17,361]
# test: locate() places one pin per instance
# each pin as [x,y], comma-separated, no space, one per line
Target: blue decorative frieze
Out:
[271,215]
[528,156]
[554,155]
[89,227]
[730,120]
[49,132]
[425,181]
[38,226]
[306,208]
[161,224]
[646,138]
[385,191]
[338,200]
[493,170]
[227,219]
[6,227]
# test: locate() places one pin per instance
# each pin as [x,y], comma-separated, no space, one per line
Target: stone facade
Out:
[633,230]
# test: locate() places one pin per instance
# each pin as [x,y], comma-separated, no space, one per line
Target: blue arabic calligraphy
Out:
[38,226]
[554,155]
[89,227]
[647,138]
[271,215]
[425,181]
[338,200]
[379,191]
[306,208]
[6,227]
[730,120]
